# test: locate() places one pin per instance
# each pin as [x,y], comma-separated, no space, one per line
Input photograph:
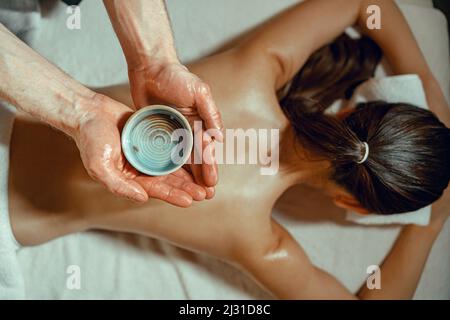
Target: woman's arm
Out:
[283,44]
[403,52]
[402,268]
[286,271]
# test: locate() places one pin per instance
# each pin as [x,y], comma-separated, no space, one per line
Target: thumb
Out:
[138,92]
[208,111]
[121,186]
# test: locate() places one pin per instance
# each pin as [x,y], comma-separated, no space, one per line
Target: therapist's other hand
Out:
[173,83]
[98,139]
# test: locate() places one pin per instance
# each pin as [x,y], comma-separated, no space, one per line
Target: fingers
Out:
[208,111]
[182,173]
[211,117]
[209,164]
[197,192]
[130,190]
[204,153]
[178,188]
[162,189]
[116,182]
[170,194]
[198,177]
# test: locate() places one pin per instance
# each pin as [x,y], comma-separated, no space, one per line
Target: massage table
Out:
[125,266]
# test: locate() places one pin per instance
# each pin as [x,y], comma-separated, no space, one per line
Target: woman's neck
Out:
[298,165]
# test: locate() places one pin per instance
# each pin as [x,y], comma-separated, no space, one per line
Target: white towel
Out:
[21,18]
[394,89]
[11,281]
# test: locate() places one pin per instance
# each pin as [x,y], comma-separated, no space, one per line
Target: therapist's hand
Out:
[172,83]
[155,74]
[98,139]
[94,121]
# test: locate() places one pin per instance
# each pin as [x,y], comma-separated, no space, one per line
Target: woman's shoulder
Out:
[235,73]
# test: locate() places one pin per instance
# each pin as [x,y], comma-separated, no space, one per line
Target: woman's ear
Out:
[350,203]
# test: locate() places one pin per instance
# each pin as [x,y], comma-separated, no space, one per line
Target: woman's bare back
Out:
[51,194]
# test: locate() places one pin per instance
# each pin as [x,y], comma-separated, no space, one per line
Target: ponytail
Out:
[331,73]
[407,166]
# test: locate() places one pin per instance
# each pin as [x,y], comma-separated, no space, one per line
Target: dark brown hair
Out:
[409,148]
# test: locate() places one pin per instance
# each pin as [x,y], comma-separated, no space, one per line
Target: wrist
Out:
[436,225]
[151,59]
[436,99]
[431,230]
[76,109]
[143,30]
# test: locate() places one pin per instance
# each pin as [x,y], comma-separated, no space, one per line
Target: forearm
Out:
[403,267]
[287,272]
[395,38]
[143,29]
[40,89]
[435,98]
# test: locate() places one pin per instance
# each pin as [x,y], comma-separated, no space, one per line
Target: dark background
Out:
[444,6]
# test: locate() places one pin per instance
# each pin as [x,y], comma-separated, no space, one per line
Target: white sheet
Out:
[126,266]
[11,280]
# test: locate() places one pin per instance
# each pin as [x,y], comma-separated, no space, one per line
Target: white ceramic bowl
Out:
[157,140]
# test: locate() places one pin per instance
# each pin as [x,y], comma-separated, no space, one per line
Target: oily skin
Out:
[157,76]
[38,88]
[97,142]
[199,223]
[236,225]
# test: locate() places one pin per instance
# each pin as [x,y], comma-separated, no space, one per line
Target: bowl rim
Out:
[127,130]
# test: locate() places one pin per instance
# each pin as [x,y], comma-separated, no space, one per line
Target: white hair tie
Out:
[366,153]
